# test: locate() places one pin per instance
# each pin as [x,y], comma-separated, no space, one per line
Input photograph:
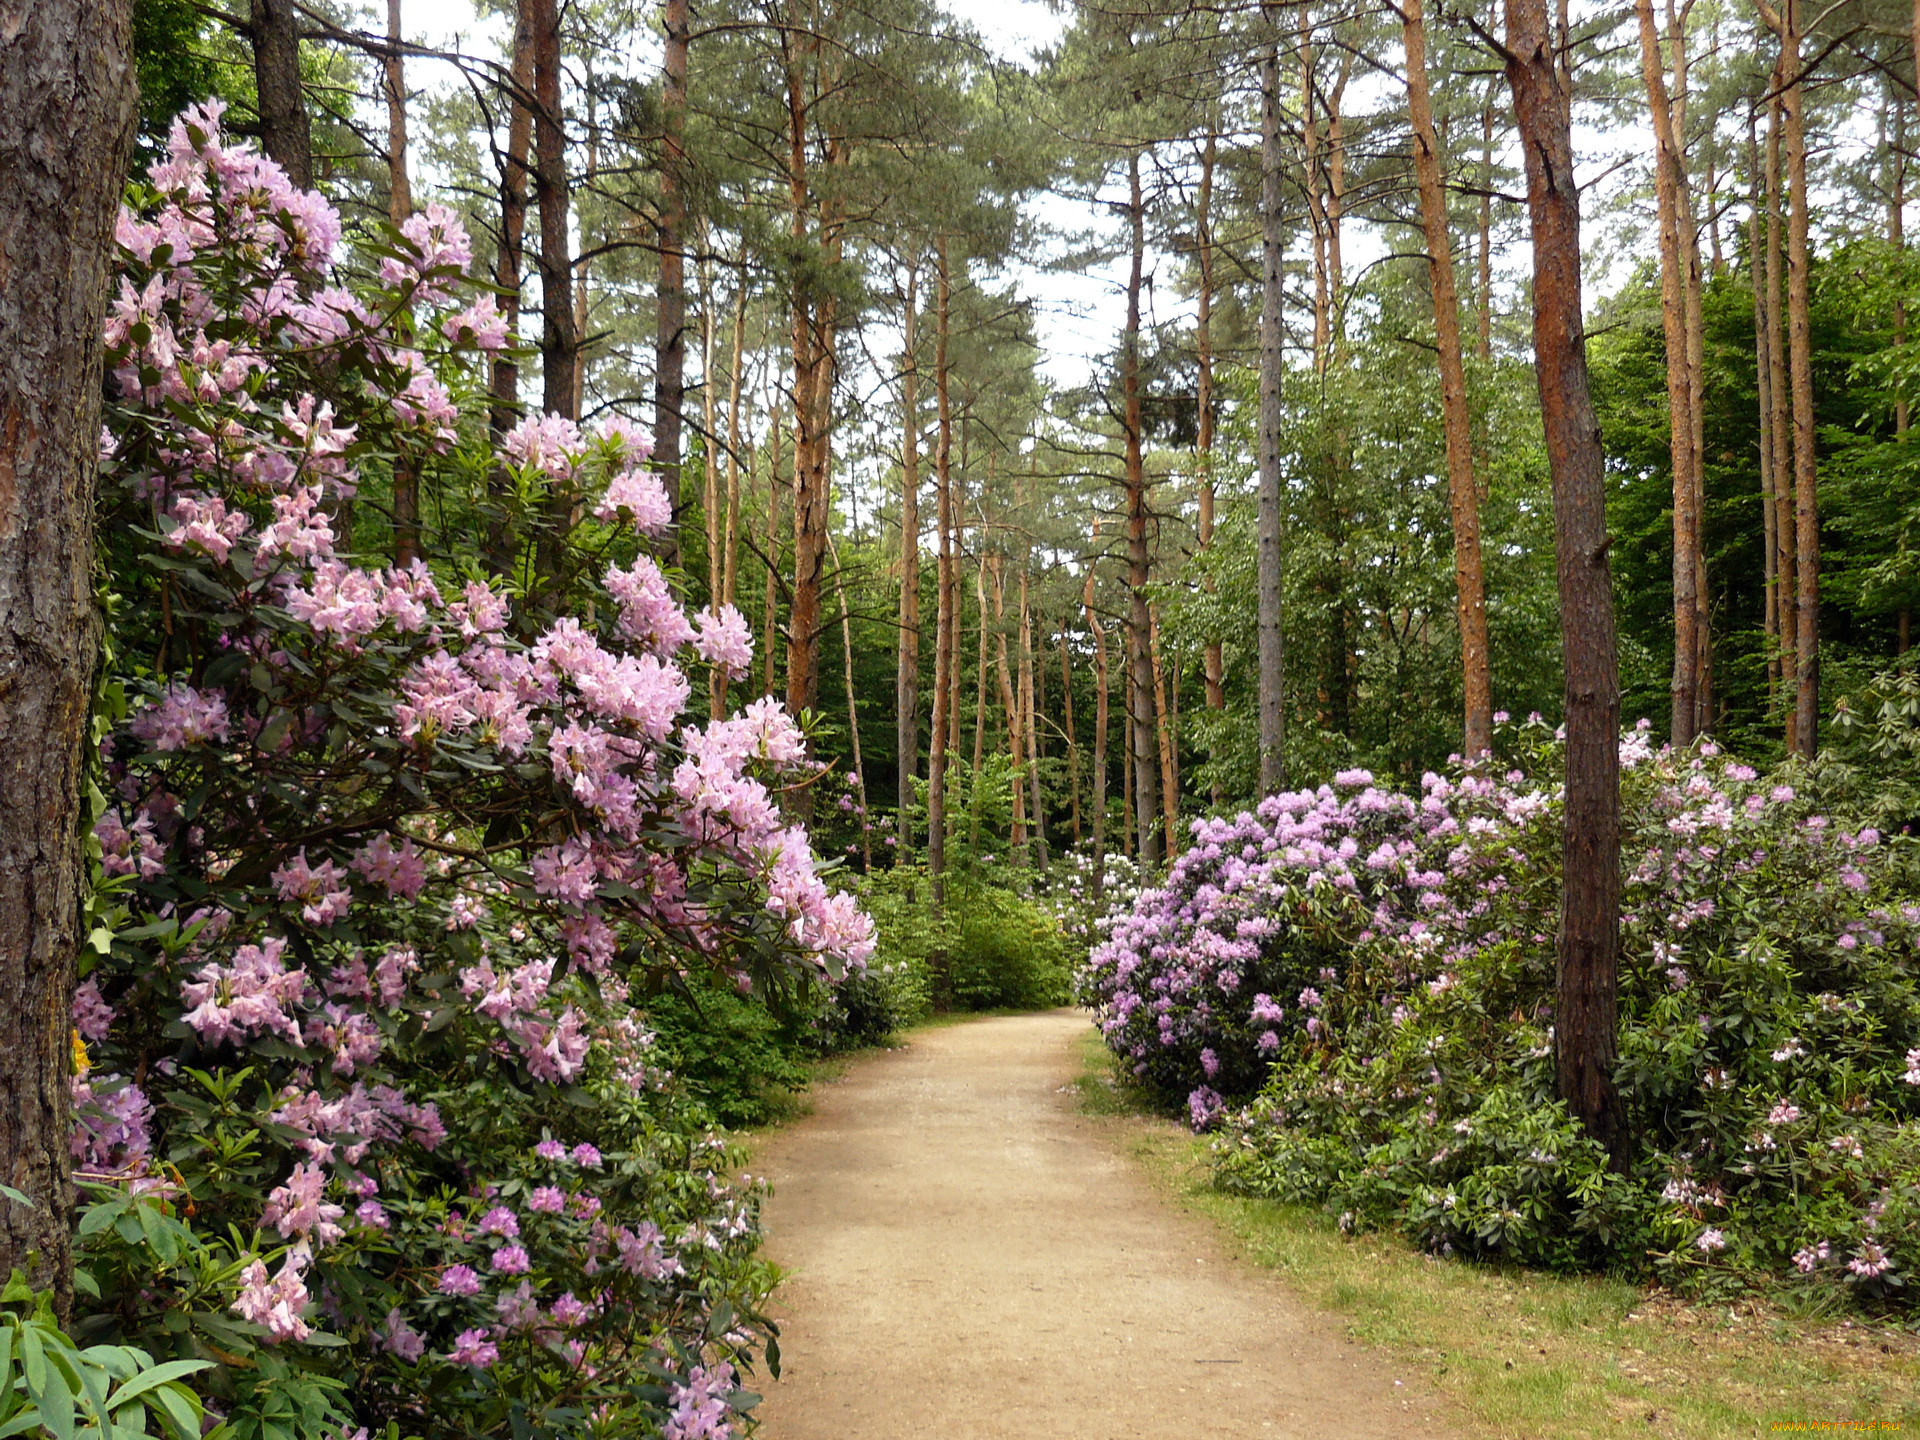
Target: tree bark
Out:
[285,132]
[1585,1008]
[1669,188]
[1166,732]
[1463,493]
[1102,693]
[907,679]
[1272,643]
[1032,693]
[776,472]
[1806,517]
[393,72]
[503,378]
[937,745]
[1216,668]
[853,713]
[67,106]
[406,481]
[1692,287]
[1139,621]
[1010,712]
[1777,389]
[557,338]
[1763,378]
[1073,738]
[1484,281]
[670,304]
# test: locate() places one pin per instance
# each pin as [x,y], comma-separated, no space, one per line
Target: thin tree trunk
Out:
[1585,1008]
[1463,492]
[503,380]
[393,72]
[1689,237]
[1485,254]
[937,745]
[1777,389]
[1073,739]
[1316,203]
[770,615]
[979,686]
[1165,735]
[1102,692]
[1763,378]
[1669,189]
[558,339]
[1272,645]
[670,304]
[729,558]
[1806,526]
[853,711]
[1216,665]
[1010,711]
[1337,199]
[67,106]
[286,134]
[406,480]
[710,495]
[1032,692]
[1140,671]
[907,681]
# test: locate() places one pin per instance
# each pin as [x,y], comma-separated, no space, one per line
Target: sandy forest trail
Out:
[971,1258]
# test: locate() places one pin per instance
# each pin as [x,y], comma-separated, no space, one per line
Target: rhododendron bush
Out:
[1377,972]
[366,1094]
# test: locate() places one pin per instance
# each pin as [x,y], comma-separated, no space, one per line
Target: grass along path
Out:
[1525,1354]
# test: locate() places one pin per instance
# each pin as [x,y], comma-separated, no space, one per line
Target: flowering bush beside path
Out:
[1355,988]
[367,1111]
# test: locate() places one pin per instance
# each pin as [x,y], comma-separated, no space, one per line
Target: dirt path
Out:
[971,1259]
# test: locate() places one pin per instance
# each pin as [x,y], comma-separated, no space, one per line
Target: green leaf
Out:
[18,1198]
[158,1375]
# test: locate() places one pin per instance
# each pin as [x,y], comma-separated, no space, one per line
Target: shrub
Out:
[1770,1027]
[365,1094]
[1005,953]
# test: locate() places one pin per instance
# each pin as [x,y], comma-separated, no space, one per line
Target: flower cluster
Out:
[1380,969]
[391,855]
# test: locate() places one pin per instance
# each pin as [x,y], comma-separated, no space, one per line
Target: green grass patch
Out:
[1527,1354]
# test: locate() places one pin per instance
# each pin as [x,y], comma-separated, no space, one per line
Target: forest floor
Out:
[972,1255]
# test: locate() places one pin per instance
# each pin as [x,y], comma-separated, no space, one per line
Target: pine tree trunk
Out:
[853,712]
[1165,735]
[670,303]
[1781,399]
[1806,519]
[1463,492]
[1272,645]
[1684,689]
[1484,255]
[286,134]
[1102,693]
[1216,665]
[1073,738]
[1032,686]
[406,481]
[937,745]
[558,340]
[729,542]
[393,73]
[1763,378]
[503,376]
[1010,712]
[776,478]
[907,680]
[1689,237]
[979,684]
[1139,622]
[1585,1008]
[67,105]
